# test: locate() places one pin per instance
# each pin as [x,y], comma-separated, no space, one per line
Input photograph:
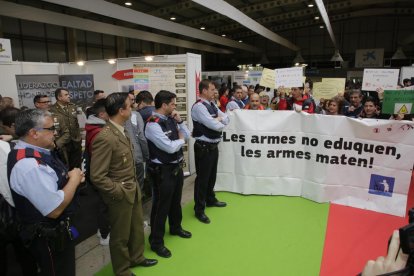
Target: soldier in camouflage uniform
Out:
[68,140]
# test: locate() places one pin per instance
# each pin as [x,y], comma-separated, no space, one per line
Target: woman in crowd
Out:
[264,100]
[334,107]
[224,99]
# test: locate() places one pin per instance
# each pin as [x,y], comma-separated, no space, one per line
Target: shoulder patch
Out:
[153,119]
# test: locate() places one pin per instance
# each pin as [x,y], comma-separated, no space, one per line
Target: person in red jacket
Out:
[97,118]
[223,97]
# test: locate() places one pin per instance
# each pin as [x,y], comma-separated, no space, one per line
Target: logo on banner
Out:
[381,185]
[369,55]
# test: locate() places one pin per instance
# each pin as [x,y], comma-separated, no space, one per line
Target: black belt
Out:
[201,142]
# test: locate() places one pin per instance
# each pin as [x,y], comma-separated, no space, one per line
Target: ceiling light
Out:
[310,5]
[149,58]
[173,18]
[223,35]
[298,59]
[80,63]
[399,54]
[128,4]
[240,41]
[316,17]
[111,61]
[321,26]
[202,28]
[337,56]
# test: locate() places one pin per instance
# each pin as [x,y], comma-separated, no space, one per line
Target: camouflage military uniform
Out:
[68,140]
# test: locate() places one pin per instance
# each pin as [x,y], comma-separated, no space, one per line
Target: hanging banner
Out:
[5,50]
[28,86]
[386,79]
[369,58]
[360,163]
[80,88]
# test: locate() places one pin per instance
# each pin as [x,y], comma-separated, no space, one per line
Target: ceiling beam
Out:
[325,17]
[39,15]
[249,9]
[173,9]
[238,16]
[294,15]
[335,18]
[129,15]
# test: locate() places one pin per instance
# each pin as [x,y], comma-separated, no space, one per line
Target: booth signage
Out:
[123,74]
[5,50]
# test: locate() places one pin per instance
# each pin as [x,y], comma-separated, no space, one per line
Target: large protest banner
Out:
[360,163]
[28,86]
[80,88]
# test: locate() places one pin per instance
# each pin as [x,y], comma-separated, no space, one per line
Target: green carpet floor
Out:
[253,235]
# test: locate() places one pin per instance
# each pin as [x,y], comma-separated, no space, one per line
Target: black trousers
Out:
[52,263]
[74,154]
[166,201]
[206,159]
[23,256]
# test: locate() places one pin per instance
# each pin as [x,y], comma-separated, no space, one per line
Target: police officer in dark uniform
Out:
[43,192]
[69,140]
[166,134]
[208,123]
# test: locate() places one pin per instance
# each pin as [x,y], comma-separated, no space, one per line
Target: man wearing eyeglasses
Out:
[43,192]
[42,102]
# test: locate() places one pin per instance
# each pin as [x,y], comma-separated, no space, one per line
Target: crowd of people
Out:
[129,138]
[353,103]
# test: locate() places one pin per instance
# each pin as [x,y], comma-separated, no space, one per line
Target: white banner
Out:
[289,77]
[376,78]
[369,58]
[360,163]
[5,50]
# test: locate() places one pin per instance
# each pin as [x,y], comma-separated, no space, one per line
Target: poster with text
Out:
[289,77]
[80,88]
[328,88]
[362,163]
[398,102]
[386,79]
[28,86]
[154,77]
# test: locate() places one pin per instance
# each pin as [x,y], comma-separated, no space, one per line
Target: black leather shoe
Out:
[162,251]
[203,218]
[181,233]
[217,204]
[148,262]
